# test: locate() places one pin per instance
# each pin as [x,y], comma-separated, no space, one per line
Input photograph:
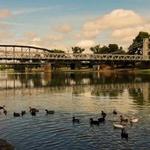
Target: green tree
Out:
[104,50]
[137,44]
[57,51]
[99,50]
[96,49]
[77,49]
[113,48]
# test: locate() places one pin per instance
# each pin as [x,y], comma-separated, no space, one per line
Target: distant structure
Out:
[146,43]
[29,56]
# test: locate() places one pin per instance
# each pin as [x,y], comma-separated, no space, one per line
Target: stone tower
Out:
[145,48]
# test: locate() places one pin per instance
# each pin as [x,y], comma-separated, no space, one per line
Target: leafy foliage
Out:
[111,48]
[77,49]
[57,51]
[137,45]
[96,49]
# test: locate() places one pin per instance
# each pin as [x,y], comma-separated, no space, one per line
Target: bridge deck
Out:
[18,53]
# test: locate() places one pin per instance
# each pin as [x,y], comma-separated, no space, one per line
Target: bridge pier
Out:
[20,67]
[47,67]
[75,65]
[146,48]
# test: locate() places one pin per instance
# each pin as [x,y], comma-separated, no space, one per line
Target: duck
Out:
[49,111]
[33,113]
[134,120]
[23,112]
[115,112]
[118,126]
[16,114]
[101,120]
[5,111]
[74,120]
[94,122]
[122,119]
[2,107]
[103,114]
[33,109]
[124,134]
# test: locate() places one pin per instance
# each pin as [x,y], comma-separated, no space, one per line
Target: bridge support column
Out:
[47,67]
[98,67]
[145,48]
[72,66]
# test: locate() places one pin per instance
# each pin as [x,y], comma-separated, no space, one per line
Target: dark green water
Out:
[83,95]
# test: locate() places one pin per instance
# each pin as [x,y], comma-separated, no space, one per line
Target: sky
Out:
[62,24]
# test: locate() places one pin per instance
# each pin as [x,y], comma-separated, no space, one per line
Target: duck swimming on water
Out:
[5,111]
[75,120]
[49,111]
[122,119]
[2,107]
[115,112]
[134,120]
[118,126]
[23,112]
[124,134]
[101,120]
[33,109]
[16,114]
[33,113]
[94,122]
[103,114]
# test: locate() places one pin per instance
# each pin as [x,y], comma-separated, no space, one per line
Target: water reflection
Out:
[81,94]
[110,85]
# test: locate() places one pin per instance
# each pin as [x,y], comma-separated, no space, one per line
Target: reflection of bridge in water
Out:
[18,54]
[16,84]
[30,88]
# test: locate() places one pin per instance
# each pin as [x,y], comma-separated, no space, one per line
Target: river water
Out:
[82,95]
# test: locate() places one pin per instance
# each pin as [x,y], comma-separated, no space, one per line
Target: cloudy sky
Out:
[65,23]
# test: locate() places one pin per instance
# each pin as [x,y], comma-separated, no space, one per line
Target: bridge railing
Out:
[70,56]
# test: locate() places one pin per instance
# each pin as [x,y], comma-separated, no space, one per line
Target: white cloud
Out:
[119,18]
[5,30]
[86,43]
[55,37]
[35,9]
[119,26]
[4,13]
[65,28]
[5,35]
[127,34]
[51,41]
[30,35]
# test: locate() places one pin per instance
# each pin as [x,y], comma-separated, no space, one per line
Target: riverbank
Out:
[4,145]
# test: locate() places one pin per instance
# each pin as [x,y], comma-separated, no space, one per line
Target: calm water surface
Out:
[83,95]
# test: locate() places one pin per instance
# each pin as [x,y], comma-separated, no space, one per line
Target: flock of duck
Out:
[33,111]
[121,124]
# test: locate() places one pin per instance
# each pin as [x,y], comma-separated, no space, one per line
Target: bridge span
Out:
[18,54]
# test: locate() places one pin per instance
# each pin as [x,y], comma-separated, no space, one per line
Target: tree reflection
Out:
[137,95]
[95,83]
[78,90]
[109,92]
